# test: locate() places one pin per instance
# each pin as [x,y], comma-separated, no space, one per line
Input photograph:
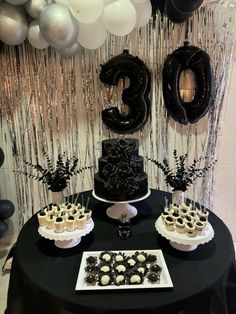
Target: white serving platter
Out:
[164,282]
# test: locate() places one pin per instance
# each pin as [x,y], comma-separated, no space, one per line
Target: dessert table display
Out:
[43,277]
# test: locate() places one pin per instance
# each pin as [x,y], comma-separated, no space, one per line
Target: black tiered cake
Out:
[120,176]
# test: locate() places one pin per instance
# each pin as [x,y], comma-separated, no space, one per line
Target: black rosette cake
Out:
[120,176]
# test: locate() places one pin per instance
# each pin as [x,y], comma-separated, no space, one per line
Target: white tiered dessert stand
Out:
[66,239]
[119,208]
[182,241]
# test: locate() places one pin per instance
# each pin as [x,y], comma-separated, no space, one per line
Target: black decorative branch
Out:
[56,178]
[183,175]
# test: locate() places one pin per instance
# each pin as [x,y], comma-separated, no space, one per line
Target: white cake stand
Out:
[66,239]
[115,211]
[182,241]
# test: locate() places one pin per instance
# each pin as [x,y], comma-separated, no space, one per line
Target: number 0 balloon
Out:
[135,96]
[197,60]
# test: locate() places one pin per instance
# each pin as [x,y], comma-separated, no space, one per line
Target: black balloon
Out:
[1,157]
[185,6]
[135,96]
[3,228]
[183,58]
[7,209]
[173,14]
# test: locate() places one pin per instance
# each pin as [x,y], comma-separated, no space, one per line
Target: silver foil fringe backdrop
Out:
[53,103]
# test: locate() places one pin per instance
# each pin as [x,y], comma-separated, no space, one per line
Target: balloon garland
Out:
[7,208]
[67,25]
[135,96]
[188,57]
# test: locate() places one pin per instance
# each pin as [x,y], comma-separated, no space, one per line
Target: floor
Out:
[4,279]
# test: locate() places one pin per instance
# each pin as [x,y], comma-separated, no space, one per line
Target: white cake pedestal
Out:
[115,211]
[181,241]
[66,239]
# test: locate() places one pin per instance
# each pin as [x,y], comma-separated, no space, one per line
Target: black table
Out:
[43,277]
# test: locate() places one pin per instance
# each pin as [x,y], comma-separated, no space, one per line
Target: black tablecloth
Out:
[43,277]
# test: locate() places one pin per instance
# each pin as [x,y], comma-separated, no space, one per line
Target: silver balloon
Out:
[17,2]
[35,7]
[58,26]
[35,36]
[13,24]
[72,50]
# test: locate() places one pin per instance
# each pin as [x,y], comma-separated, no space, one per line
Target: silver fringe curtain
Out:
[53,103]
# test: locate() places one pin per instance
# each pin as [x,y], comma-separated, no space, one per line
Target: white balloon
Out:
[105,2]
[120,17]
[65,2]
[16,2]
[35,37]
[138,1]
[72,50]
[58,26]
[92,36]
[144,12]
[86,11]
[13,24]
[35,7]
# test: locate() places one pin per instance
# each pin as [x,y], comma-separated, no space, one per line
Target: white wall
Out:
[225,178]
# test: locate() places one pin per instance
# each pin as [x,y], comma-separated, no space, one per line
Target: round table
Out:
[43,276]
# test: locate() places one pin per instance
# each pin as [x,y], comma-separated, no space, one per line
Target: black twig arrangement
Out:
[56,177]
[183,175]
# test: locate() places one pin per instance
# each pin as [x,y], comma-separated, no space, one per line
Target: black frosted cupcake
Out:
[91,260]
[155,268]
[153,277]
[90,279]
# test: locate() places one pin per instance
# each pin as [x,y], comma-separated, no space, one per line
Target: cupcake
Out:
[188,218]
[151,258]
[50,221]
[175,215]
[186,206]
[175,207]
[75,213]
[54,207]
[153,277]
[155,268]
[70,223]
[169,222]
[135,278]
[169,209]
[183,212]
[180,225]
[68,208]
[193,214]
[120,267]
[92,260]
[199,226]
[119,257]
[42,218]
[119,279]
[88,214]
[190,229]
[203,213]
[49,210]
[59,224]
[90,279]
[164,215]
[141,268]
[81,222]
[105,279]
[203,220]
[131,262]
[62,214]
[141,257]
[104,267]
[106,256]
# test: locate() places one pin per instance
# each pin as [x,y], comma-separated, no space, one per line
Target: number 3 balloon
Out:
[135,96]
[197,60]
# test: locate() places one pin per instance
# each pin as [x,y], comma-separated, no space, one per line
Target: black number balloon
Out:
[135,96]
[197,60]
